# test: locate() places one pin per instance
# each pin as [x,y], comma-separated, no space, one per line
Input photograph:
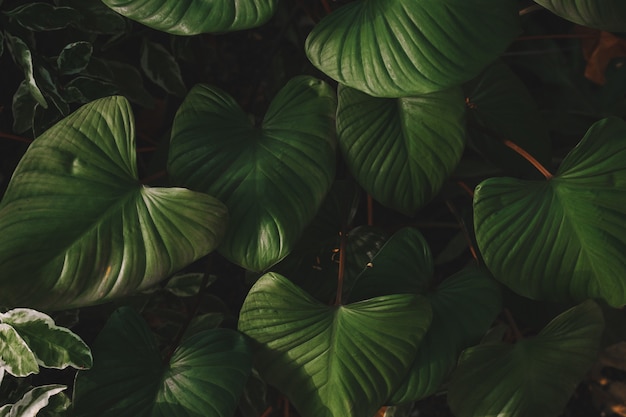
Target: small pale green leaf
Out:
[161,68]
[273,178]
[79,229]
[74,57]
[204,377]
[39,16]
[564,238]
[23,57]
[397,48]
[332,360]
[35,400]
[404,265]
[16,358]
[401,150]
[609,15]
[186,285]
[52,345]
[464,307]
[23,108]
[190,17]
[533,377]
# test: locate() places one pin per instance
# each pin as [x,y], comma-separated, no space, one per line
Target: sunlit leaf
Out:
[33,401]
[16,358]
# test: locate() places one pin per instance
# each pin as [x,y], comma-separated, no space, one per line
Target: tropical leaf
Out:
[52,345]
[401,150]
[161,68]
[191,17]
[16,358]
[74,57]
[332,360]
[563,238]
[273,178]
[24,58]
[400,48]
[32,402]
[533,377]
[464,307]
[40,16]
[79,229]
[205,375]
[607,15]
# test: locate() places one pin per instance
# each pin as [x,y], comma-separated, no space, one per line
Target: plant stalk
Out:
[522,152]
[342,266]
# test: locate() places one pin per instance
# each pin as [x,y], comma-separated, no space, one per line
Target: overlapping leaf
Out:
[401,150]
[397,48]
[534,377]
[564,238]
[607,15]
[32,402]
[332,360]
[190,17]
[464,306]
[204,377]
[77,227]
[273,178]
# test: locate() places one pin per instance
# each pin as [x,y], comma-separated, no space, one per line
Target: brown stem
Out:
[557,36]
[461,223]
[466,188]
[529,158]
[14,137]
[530,9]
[153,177]
[267,411]
[146,149]
[327,7]
[511,321]
[342,266]
[370,210]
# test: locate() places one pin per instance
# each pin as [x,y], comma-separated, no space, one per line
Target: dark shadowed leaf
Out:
[23,108]
[607,15]
[96,17]
[74,57]
[205,375]
[398,48]
[77,226]
[190,17]
[533,377]
[332,360]
[401,150]
[39,16]
[84,89]
[564,238]
[161,68]
[273,178]
[23,57]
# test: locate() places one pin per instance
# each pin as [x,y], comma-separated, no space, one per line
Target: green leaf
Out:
[84,89]
[53,346]
[534,377]
[332,360]
[161,68]
[16,357]
[564,238]
[609,15]
[23,58]
[74,57]
[401,150]
[404,265]
[500,104]
[23,108]
[273,178]
[96,17]
[33,401]
[398,48]
[205,375]
[187,285]
[39,16]
[464,307]
[79,229]
[190,17]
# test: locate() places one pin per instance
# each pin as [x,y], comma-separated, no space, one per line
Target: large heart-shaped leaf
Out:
[534,377]
[605,14]
[397,48]
[401,150]
[501,107]
[464,306]
[332,360]
[205,375]
[272,178]
[190,17]
[77,228]
[564,238]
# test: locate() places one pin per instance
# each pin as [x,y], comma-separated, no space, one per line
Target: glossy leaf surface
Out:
[332,360]
[398,48]
[609,15]
[564,238]
[191,17]
[533,377]
[16,358]
[401,150]
[32,402]
[52,345]
[204,377]
[273,178]
[464,307]
[79,229]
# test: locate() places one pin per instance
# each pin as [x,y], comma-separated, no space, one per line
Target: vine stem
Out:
[14,137]
[509,318]
[529,158]
[530,9]
[558,36]
[342,265]
[267,411]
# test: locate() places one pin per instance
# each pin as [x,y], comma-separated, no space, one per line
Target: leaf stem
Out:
[529,158]
[14,137]
[267,411]
[342,265]
[517,335]
[530,9]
